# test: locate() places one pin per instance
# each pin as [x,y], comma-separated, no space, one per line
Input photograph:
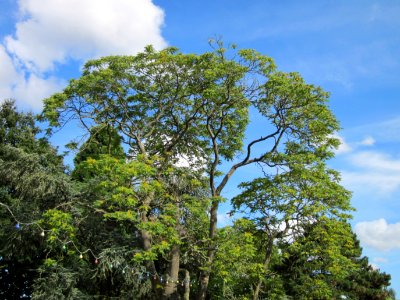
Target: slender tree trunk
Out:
[146,241]
[267,260]
[205,274]
[170,290]
[186,295]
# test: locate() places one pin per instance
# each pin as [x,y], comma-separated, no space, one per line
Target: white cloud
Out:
[378,234]
[27,89]
[224,219]
[30,92]
[376,161]
[8,74]
[53,31]
[371,183]
[374,266]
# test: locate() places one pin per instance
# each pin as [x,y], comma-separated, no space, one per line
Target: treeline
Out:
[137,216]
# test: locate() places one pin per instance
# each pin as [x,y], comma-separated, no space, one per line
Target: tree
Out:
[102,140]
[281,205]
[167,106]
[325,262]
[320,258]
[32,180]
[237,263]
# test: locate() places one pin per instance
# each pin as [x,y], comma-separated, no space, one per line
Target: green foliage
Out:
[320,258]
[139,221]
[325,262]
[103,140]
[56,282]
[31,181]
[364,282]
[60,224]
[236,264]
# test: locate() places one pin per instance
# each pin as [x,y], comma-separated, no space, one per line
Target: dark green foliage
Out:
[31,181]
[102,140]
[326,263]
[366,283]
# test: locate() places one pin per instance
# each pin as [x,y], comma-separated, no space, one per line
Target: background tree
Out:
[281,205]
[325,262]
[237,262]
[102,140]
[32,180]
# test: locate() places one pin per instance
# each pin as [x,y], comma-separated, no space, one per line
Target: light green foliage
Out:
[124,189]
[60,225]
[301,193]
[304,191]
[236,264]
[103,139]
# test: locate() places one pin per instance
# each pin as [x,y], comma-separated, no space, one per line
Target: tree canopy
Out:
[137,217]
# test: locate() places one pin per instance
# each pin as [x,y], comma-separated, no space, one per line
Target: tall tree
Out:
[167,106]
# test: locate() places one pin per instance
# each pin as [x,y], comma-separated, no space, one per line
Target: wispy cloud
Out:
[384,131]
[347,148]
[369,171]
[376,161]
[323,16]
[372,172]
[345,59]
[368,141]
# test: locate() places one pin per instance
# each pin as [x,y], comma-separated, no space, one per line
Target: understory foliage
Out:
[137,216]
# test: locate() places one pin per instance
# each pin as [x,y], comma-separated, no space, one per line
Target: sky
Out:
[350,48]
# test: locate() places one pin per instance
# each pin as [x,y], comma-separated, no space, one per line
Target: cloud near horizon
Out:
[378,234]
[52,33]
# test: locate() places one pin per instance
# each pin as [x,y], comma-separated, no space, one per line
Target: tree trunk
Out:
[155,279]
[186,295]
[146,240]
[170,290]
[267,260]
[205,274]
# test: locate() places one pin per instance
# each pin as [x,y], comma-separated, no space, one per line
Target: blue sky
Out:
[350,48]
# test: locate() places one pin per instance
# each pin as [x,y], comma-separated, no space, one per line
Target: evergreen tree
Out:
[32,179]
[326,263]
